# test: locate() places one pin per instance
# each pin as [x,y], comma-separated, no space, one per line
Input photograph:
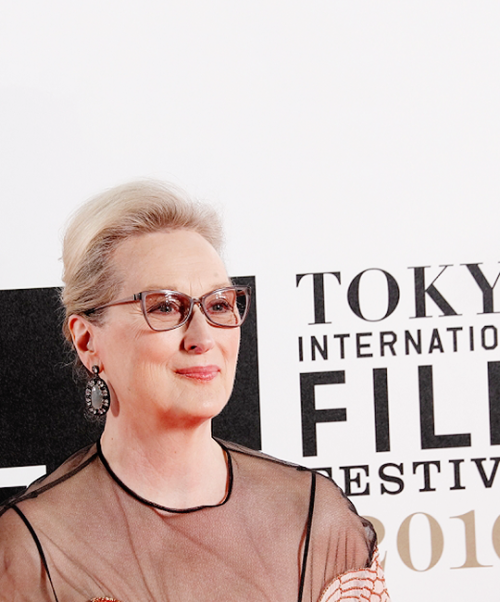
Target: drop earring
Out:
[97,394]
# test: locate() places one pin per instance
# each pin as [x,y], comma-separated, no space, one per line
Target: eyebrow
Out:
[214,287]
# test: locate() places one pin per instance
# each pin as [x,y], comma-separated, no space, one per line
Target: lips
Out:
[201,373]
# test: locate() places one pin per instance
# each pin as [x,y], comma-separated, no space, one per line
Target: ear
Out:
[83,335]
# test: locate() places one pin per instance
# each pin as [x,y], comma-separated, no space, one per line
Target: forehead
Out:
[179,259]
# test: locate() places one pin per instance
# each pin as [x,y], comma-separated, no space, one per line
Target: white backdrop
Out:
[335,136]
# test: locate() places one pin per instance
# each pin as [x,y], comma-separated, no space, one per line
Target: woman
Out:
[158,510]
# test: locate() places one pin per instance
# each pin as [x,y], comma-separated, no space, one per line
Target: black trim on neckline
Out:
[143,500]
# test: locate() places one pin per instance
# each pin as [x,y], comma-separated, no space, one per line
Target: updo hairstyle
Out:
[101,224]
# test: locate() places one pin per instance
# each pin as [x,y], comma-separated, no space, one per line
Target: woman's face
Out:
[182,376]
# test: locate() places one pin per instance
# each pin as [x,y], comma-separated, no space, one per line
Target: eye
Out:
[220,305]
[157,304]
[166,308]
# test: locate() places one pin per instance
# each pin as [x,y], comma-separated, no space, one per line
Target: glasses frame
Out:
[200,302]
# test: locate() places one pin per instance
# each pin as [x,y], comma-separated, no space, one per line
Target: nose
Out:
[198,336]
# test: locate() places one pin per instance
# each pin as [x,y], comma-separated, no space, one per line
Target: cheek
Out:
[154,350]
[126,347]
[233,345]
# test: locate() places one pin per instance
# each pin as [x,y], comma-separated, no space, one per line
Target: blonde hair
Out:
[101,224]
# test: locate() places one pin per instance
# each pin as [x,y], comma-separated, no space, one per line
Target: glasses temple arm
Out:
[134,297]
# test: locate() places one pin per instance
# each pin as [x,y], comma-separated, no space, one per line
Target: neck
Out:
[173,467]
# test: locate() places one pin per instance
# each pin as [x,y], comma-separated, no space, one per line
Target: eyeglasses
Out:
[165,310]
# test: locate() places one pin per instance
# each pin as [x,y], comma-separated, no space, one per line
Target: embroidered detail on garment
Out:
[366,585]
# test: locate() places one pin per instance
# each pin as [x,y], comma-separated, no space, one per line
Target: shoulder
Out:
[338,534]
[332,509]
[257,458]
[12,528]
[261,469]
[17,546]
[21,570]
[49,486]
[328,494]
[340,539]
[28,519]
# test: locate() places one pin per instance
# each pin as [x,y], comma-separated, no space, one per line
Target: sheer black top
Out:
[281,533]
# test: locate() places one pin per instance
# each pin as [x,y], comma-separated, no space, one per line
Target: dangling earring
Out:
[97,394]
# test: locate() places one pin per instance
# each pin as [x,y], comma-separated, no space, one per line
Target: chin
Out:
[205,406]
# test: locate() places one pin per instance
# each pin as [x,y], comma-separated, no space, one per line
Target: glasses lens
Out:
[165,310]
[226,307]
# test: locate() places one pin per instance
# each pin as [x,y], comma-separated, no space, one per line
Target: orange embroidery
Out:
[366,585]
